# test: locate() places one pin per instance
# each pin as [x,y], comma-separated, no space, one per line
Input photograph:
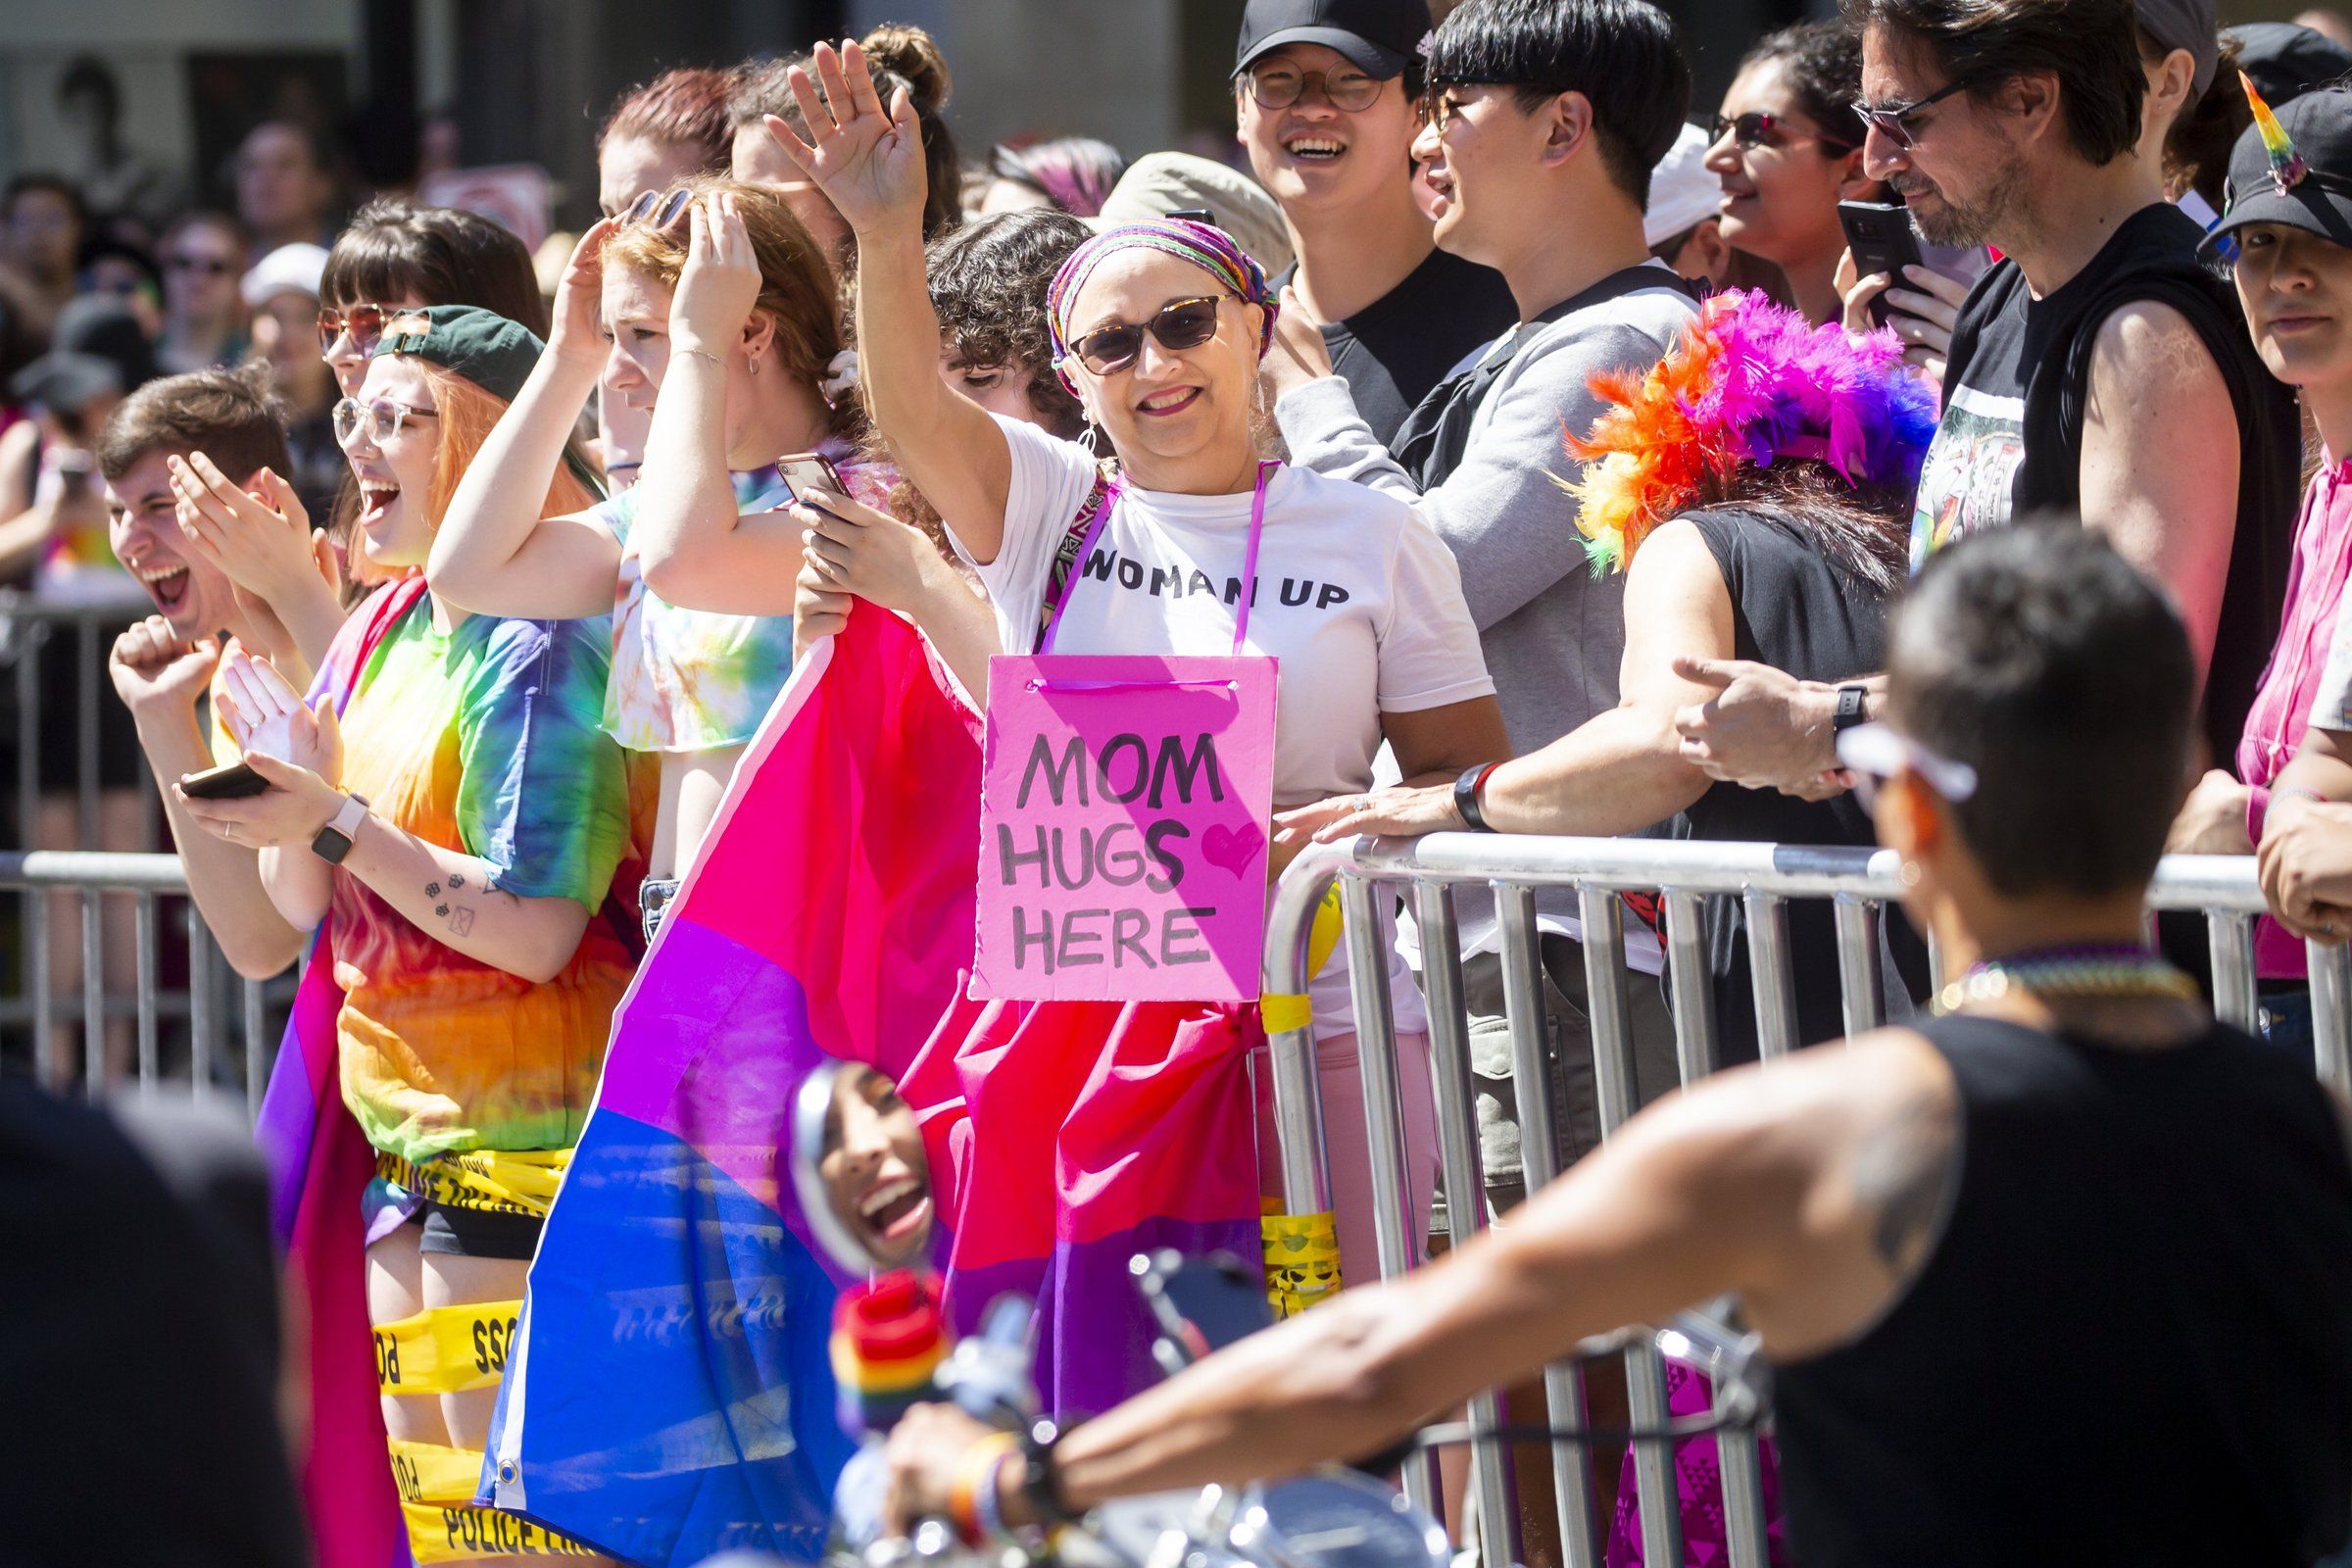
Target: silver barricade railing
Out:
[196,1009]
[1765,877]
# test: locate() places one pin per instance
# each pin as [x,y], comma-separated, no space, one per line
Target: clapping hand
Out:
[268,717]
[867,161]
[260,539]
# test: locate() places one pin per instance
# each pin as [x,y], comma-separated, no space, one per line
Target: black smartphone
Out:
[1196,214]
[1201,1303]
[1883,240]
[234,782]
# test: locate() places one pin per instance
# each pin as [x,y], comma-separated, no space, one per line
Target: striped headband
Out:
[1204,245]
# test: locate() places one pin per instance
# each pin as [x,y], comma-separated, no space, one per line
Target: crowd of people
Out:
[1594,488]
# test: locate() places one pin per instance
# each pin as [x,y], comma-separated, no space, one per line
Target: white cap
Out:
[288,270]
[1682,191]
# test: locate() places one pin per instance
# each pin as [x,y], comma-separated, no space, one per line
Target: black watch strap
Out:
[1465,797]
[1850,698]
[1041,1482]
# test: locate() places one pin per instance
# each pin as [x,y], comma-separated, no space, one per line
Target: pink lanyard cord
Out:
[1094,533]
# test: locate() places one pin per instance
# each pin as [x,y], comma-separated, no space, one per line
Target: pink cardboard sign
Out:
[1124,808]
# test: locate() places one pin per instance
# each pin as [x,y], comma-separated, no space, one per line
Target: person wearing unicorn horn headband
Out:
[1753,489]
[1194,544]
[2288,235]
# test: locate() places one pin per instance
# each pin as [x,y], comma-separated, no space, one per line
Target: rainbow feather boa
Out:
[1750,381]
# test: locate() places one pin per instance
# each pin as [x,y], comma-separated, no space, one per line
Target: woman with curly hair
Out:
[988,282]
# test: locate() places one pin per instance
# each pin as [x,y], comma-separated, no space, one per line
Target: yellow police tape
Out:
[436,1488]
[1302,1260]
[1282,1010]
[445,1350]
[498,1181]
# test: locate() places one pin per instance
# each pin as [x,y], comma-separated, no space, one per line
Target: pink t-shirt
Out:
[2294,695]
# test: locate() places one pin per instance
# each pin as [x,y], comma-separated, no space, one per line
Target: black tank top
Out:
[2133,1341]
[1796,611]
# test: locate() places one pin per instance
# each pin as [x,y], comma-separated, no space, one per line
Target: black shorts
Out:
[57,738]
[455,1232]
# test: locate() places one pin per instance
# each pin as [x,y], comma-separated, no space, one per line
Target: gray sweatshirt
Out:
[1552,632]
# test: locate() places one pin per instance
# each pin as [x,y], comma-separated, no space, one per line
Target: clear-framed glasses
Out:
[1278,85]
[1877,753]
[1763,128]
[1893,121]
[381,417]
[658,209]
[364,323]
[1184,323]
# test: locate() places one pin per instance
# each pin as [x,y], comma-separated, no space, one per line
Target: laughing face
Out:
[394,467]
[1314,154]
[875,1170]
[193,596]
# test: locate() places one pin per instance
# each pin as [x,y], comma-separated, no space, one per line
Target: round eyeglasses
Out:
[381,417]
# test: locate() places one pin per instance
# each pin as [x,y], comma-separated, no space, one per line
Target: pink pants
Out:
[1347,1146]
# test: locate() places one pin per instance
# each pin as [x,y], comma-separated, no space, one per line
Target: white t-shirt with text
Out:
[1356,597]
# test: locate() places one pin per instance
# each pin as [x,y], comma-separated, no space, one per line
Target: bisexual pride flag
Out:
[671,1395]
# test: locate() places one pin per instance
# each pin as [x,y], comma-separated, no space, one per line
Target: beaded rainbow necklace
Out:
[2112,971]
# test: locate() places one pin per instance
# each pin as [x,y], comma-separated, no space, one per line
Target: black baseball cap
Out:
[2288,60]
[2318,200]
[1377,36]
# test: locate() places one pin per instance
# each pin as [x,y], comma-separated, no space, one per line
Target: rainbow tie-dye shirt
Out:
[688,681]
[482,739]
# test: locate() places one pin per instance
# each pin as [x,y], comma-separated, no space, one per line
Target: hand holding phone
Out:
[232,782]
[804,471]
[1880,237]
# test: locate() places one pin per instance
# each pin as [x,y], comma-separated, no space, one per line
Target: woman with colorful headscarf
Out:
[460,825]
[713,295]
[1158,328]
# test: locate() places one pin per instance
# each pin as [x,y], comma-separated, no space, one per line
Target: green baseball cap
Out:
[492,351]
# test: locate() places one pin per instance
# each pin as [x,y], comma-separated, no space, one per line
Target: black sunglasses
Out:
[1893,122]
[1185,323]
[1763,128]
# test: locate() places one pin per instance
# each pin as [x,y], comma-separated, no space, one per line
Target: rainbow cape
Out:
[671,1395]
[321,1163]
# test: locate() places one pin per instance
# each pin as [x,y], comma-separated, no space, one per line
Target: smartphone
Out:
[230,783]
[1196,214]
[1201,1304]
[804,472]
[1880,236]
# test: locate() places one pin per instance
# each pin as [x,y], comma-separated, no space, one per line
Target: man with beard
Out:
[2095,368]
[184,432]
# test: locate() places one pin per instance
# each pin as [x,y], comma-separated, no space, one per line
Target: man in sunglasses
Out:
[2097,370]
[1327,96]
[2062,1275]
[1545,120]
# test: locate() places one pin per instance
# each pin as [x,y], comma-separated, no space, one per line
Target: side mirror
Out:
[860,1169]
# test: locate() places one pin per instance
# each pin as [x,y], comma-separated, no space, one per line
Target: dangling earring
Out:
[1092,434]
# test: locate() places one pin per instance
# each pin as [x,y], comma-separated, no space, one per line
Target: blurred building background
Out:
[475,82]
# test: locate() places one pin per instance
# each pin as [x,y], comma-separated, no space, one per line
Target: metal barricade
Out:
[197,1013]
[1765,877]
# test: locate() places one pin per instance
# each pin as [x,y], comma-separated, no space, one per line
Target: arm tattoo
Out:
[1904,1176]
[460,921]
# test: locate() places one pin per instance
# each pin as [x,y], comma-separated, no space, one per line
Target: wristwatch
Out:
[1465,796]
[1040,1483]
[1849,707]
[335,839]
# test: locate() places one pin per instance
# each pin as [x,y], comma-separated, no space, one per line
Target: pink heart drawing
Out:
[1231,849]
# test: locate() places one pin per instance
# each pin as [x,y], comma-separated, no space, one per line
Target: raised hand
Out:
[260,539]
[719,283]
[576,334]
[157,673]
[866,160]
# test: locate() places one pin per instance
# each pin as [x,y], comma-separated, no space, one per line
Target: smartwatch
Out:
[1849,707]
[1465,796]
[335,839]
